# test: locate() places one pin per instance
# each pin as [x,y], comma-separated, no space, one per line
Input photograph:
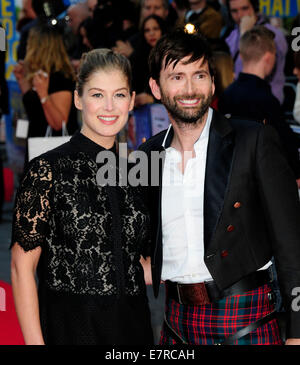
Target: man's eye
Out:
[176,77]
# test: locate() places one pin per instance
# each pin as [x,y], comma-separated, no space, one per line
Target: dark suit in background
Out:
[250,97]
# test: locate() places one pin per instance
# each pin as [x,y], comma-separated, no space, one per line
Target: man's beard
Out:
[189,115]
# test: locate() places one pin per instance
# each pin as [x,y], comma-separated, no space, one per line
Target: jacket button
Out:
[224,253]
[237,205]
[230,228]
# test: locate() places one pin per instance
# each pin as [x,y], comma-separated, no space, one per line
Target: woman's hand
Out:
[19,72]
[40,83]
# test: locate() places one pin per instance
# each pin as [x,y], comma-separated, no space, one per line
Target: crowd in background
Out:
[53,39]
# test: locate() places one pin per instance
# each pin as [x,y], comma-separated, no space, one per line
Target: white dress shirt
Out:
[182,213]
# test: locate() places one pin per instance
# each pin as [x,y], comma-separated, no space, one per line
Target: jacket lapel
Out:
[217,175]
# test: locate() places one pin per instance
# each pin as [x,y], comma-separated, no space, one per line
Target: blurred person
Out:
[152,29]
[296,72]
[76,14]
[224,202]
[206,19]
[91,4]
[4,109]
[250,96]
[47,81]
[245,14]
[224,75]
[54,7]
[84,237]
[27,14]
[148,7]
[86,31]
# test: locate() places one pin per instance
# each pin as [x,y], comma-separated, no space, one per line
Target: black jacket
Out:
[244,164]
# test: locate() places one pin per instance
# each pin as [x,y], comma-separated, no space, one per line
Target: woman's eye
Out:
[120,95]
[98,95]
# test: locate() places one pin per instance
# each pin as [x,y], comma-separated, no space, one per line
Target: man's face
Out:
[154,7]
[197,4]
[91,4]
[185,90]
[239,9]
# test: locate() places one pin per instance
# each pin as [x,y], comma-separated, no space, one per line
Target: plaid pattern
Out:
[212,323]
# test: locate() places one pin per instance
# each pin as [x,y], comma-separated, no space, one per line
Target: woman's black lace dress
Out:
[91,284]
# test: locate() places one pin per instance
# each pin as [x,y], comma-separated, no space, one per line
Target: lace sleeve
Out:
[32,206]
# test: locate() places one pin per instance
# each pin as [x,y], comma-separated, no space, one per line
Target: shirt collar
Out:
[84,144]
[204,134]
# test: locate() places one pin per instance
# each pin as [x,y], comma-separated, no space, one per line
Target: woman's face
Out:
[85,39]
[152,32]
[105,103]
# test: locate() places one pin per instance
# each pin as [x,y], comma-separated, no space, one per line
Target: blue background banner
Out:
[280,8]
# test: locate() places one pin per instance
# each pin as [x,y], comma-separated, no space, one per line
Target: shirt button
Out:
[224,253]
[237,205]
[230,228]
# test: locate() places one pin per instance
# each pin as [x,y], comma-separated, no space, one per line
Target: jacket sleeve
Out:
[279,195]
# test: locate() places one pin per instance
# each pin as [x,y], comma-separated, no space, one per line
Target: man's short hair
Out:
[256,42]
[254,3]
[173,47]
[165,3]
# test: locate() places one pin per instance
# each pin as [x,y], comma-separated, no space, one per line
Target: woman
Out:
[46,80]
[153,27]
[84,238]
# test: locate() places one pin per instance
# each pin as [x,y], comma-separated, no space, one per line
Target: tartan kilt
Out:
[212,323]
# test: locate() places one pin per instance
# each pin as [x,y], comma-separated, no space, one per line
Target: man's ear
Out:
[213,86]
[131,105]
[77,100]
[155,88]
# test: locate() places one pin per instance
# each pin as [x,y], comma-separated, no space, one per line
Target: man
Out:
[207,20]
[226,202]
[250,96]
[91,4]
[245,15]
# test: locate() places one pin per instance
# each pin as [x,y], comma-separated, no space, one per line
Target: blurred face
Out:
[75,18]
[27,9]
[239,9]
[91,5]
[196,4]
[296,72]
[85,39]
[105,103]
[154,7]
[186,90]
[152,32]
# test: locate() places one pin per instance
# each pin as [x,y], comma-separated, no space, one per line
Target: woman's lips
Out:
[108,119]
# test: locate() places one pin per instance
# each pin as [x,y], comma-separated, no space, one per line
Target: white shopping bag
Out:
[39,145]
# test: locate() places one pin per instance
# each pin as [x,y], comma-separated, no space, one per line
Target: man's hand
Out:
[293,341]
[124,48]
[247,23]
